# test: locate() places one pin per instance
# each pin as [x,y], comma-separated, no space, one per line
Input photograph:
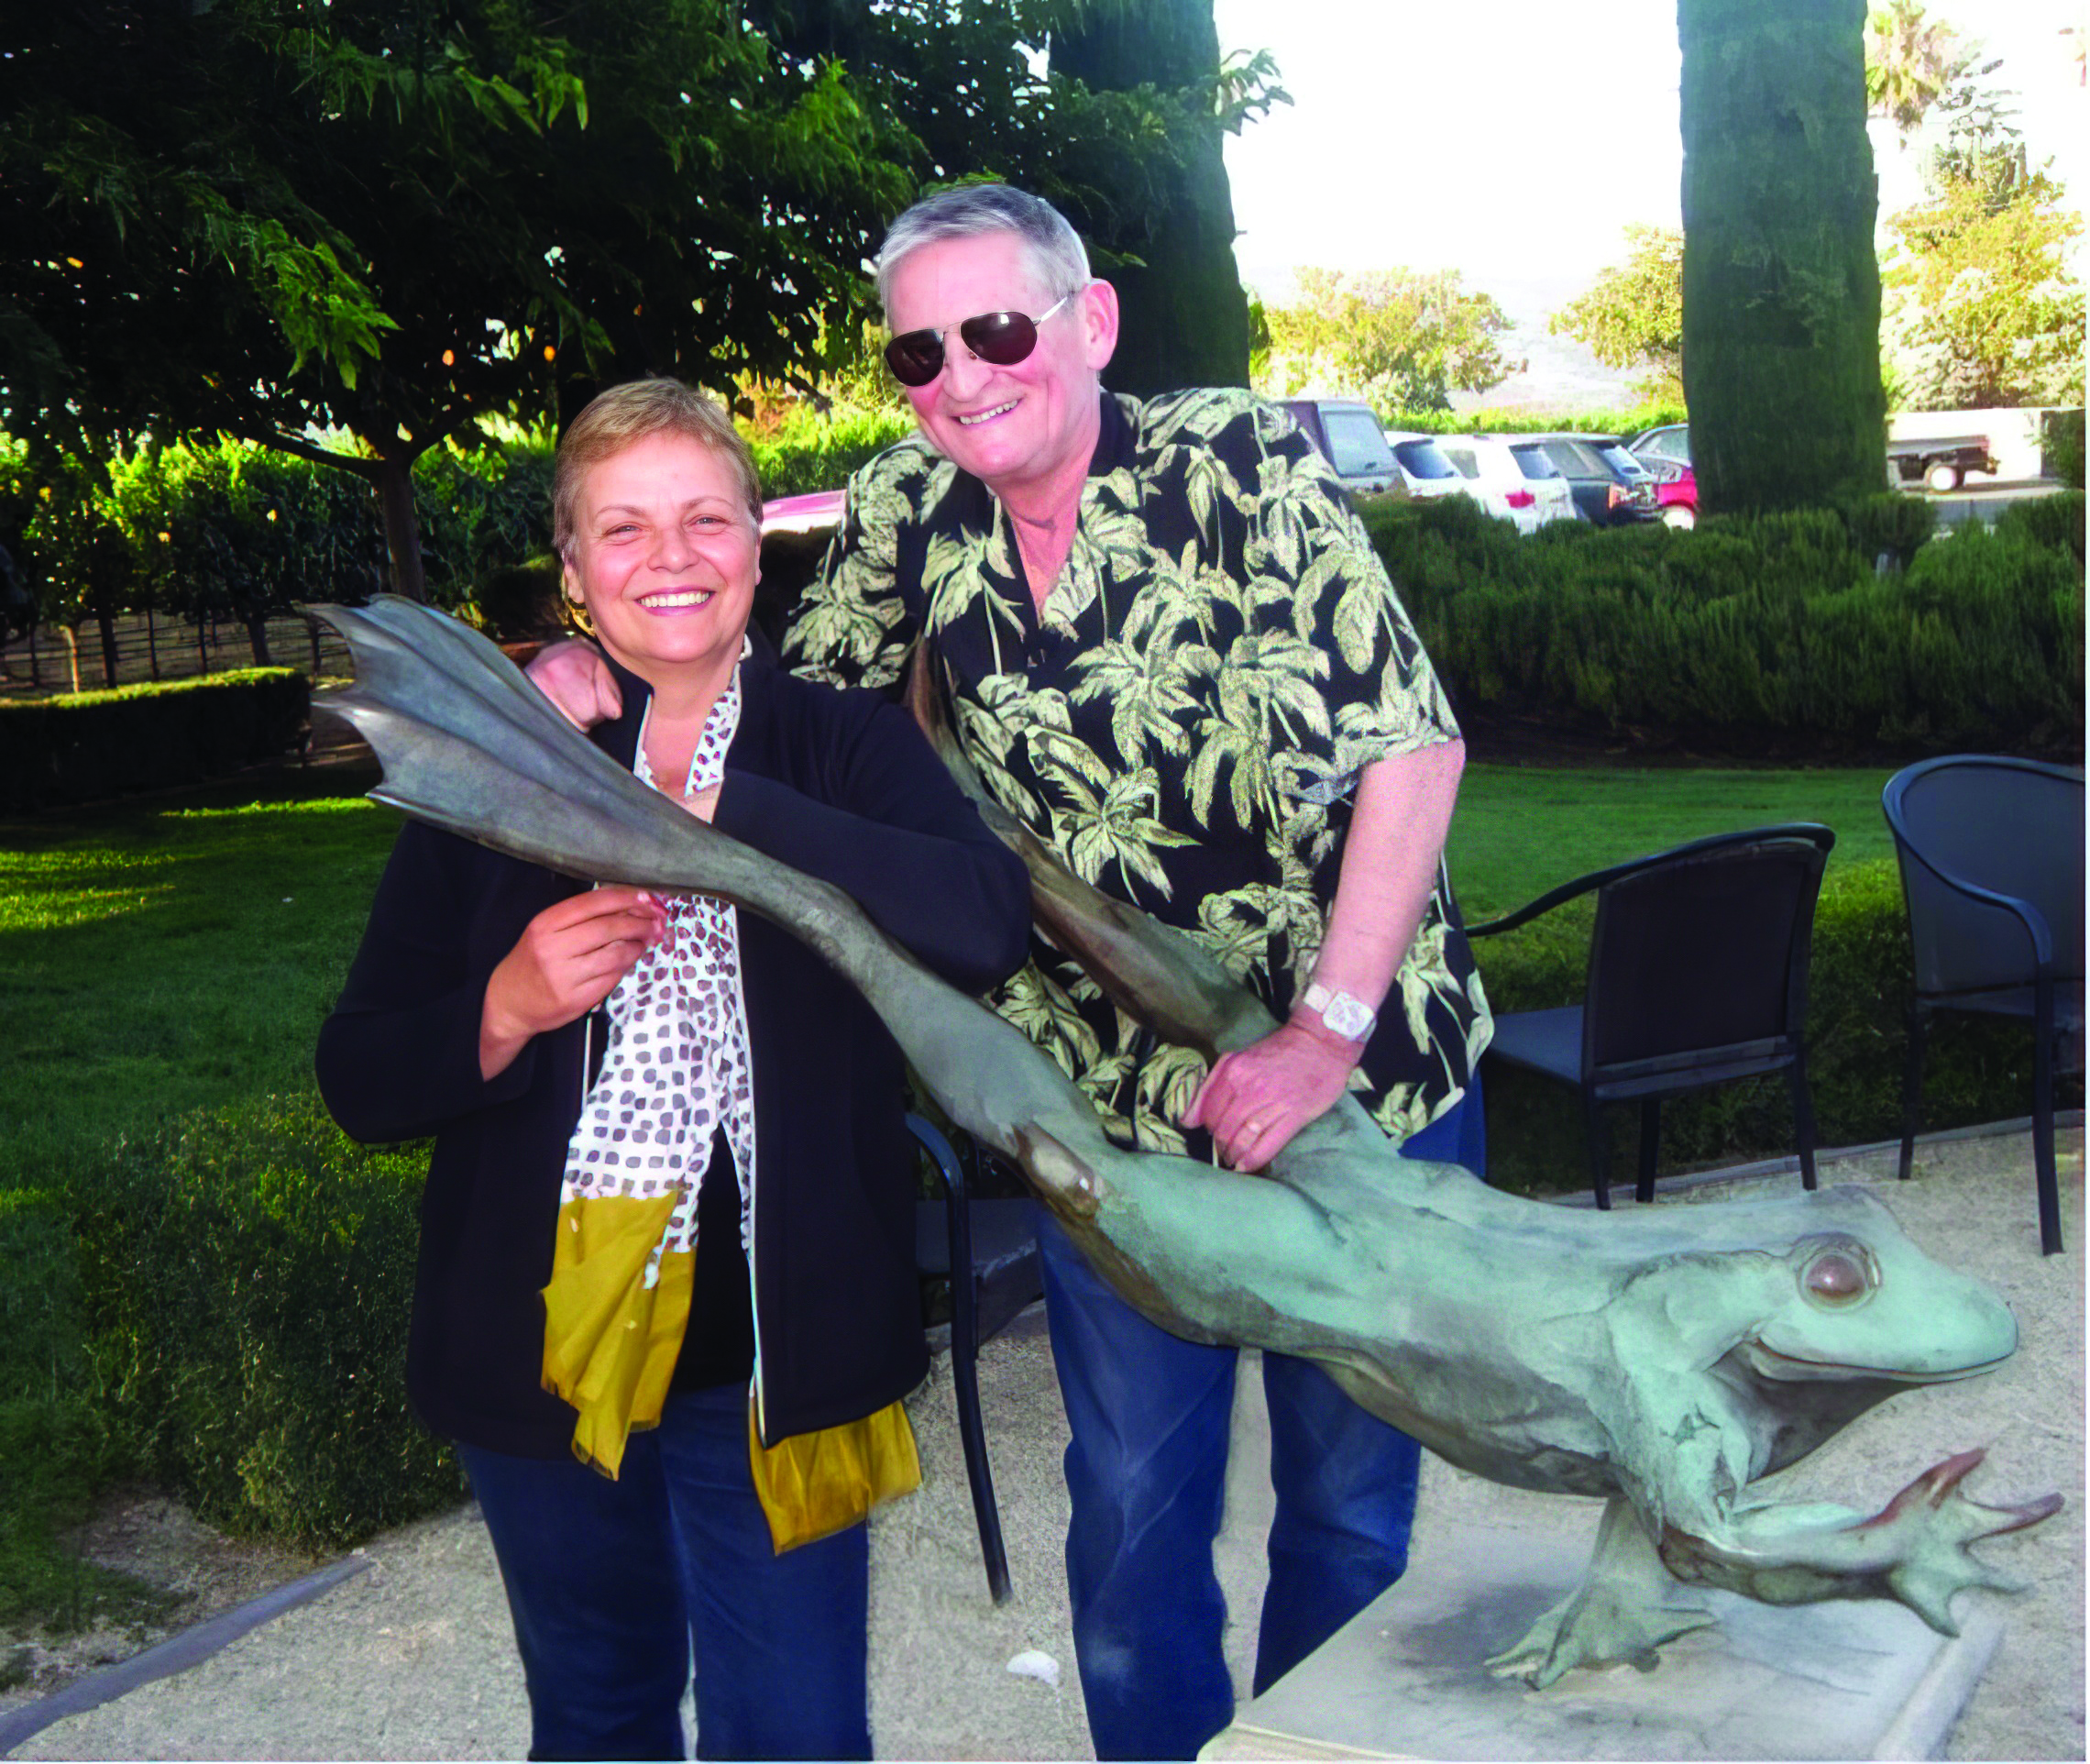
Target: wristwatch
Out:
[1350,1017]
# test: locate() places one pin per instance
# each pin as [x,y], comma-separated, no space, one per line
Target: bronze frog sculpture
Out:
[1665,1359]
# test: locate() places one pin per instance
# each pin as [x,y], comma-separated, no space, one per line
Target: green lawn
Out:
[1520,830]
[164,955]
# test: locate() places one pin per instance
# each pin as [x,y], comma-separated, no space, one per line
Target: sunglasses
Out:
[915,358]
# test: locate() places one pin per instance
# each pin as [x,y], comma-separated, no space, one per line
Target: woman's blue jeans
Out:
[616,1586]
[1146,1468]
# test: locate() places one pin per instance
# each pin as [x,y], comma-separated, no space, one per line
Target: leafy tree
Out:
[1912,60]
[1401,339]
[1781,285]
[1633,315]
[1112,110]
[275,219]
[1984,301]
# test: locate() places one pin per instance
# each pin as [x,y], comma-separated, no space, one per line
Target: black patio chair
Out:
[1991,854]
[1697,977]
[994,1239]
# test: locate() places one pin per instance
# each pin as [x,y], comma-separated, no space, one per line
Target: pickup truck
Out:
[1938,462]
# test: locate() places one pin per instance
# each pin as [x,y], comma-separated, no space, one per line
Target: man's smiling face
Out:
[1024,423]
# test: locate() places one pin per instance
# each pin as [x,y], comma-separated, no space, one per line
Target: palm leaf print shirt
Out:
[1220,656]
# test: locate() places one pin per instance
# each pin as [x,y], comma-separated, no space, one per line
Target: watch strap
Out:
[1349,1017]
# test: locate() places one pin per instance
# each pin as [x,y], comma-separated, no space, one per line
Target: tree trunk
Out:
[403,532]
[151,645]
[1781,285]
[105,624]
[1185,320]
[258,638]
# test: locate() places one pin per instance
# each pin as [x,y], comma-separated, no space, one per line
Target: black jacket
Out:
[837,784]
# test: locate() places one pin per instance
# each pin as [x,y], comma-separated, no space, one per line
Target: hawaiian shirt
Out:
[1221,656]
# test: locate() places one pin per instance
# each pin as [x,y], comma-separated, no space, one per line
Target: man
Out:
[1172,652]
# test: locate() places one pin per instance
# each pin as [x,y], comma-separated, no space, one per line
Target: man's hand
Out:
[567,961]
[1255,1100]
[573,675]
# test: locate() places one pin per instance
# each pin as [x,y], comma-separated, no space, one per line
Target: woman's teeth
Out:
[685,597]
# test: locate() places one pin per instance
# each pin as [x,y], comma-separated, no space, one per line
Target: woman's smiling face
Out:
[664,556]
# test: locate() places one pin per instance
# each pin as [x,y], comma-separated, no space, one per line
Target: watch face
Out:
[1347,1016]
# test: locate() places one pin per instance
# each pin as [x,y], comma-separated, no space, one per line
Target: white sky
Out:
[1514,140]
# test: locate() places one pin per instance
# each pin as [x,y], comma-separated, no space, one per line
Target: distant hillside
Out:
[1559,374]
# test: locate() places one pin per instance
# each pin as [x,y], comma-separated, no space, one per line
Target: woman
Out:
[704,1120]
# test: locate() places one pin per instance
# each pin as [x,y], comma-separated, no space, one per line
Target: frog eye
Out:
[1839,1274]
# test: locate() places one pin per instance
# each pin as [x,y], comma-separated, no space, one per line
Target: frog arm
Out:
[1916,1549]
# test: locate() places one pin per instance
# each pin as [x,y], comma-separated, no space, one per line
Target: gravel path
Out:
[414,1658]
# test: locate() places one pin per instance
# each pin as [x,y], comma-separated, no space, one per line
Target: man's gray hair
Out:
[972,209]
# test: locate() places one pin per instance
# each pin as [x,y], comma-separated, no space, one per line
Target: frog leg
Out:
[1626,1607]
[1917,1549]
[1681,1452]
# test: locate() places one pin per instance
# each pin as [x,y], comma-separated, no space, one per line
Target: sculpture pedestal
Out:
[1405,1680]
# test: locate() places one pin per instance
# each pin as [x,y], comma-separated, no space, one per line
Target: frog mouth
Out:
[1797,1369]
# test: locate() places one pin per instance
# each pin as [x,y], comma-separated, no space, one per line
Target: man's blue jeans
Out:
[612,1583]
[1146,1468]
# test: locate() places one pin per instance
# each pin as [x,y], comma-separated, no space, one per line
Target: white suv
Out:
[1528,492]
[1425,471]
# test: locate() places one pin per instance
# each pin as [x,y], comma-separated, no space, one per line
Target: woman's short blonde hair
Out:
[629,414]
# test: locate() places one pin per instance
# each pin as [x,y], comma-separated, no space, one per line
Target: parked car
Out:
[1609,486]
[795,535]
[1424,468]
[1666,451]
[1670,441]
[1940,463]
[1351,440]
[1528,492]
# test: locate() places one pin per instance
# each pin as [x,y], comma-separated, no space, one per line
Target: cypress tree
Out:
[1781,284]
[1184,317]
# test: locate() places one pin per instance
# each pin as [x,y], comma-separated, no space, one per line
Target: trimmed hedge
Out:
[1859,991]
[92,745]
[247,1276]
[1757,636]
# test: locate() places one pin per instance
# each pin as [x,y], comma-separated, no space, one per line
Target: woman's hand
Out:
[568,959]
[573,675]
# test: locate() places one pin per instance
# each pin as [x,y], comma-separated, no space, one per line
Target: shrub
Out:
[1891,525]
[805,452]
[1859,993]
[2055,522]
[2061,443]
[1752,636]
[55,1446]
[520,602]
[1650,415]
[90,744]
[247,1275]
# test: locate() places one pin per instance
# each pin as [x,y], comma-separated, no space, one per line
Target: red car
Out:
[1666,452]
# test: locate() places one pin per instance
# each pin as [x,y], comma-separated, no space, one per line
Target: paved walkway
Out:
[413,1658]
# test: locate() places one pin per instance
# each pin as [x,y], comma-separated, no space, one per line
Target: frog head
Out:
[1852,1299]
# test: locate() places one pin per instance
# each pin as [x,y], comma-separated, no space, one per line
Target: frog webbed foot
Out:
[1625,1608]
[1930,1527]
